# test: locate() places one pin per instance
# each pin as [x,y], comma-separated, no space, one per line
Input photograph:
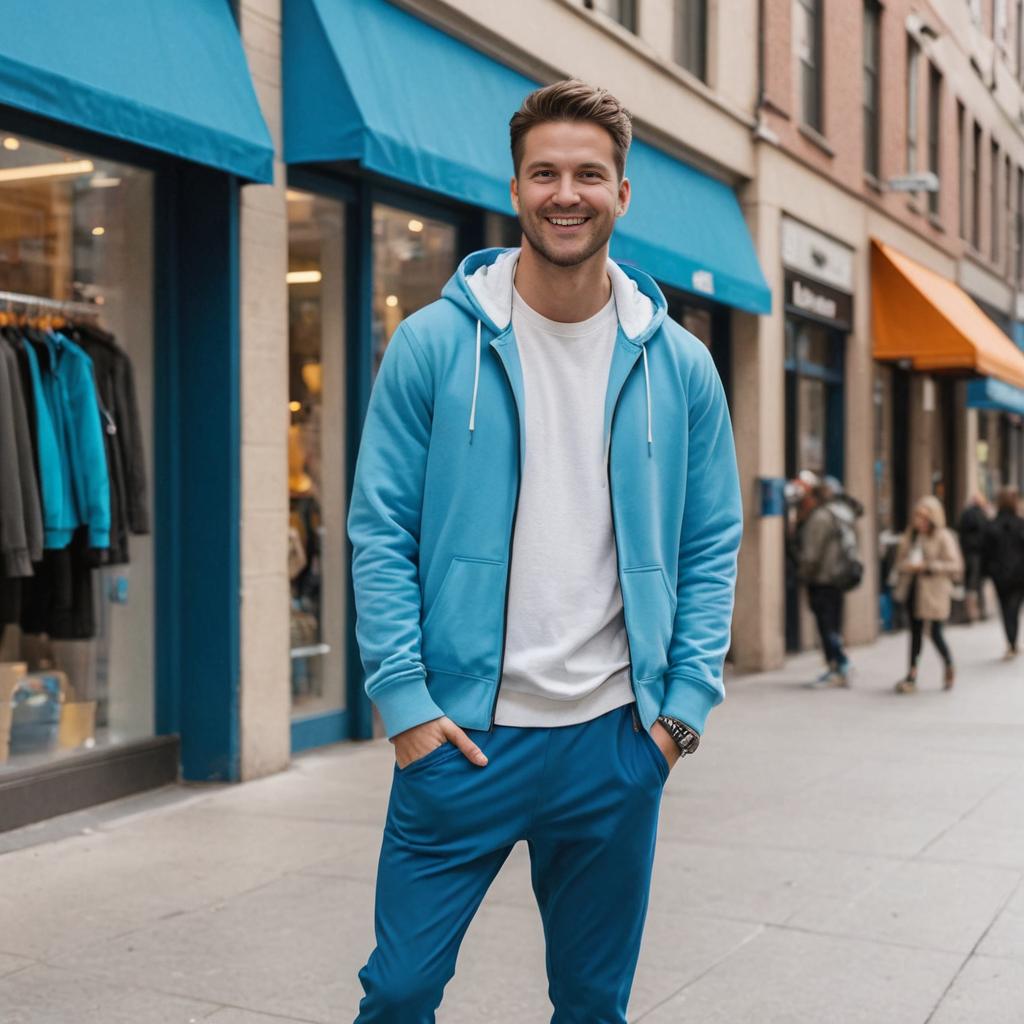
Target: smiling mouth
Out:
[567,222]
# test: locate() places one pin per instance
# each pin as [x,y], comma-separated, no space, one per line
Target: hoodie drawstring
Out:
[476,383]
[647,386]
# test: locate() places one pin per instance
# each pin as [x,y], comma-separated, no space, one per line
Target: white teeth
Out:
[567,222]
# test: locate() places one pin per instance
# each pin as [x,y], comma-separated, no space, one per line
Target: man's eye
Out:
[591,174]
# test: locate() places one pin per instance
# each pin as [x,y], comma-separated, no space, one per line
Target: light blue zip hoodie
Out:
[436,488]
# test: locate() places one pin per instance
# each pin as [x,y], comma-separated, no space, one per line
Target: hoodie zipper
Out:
[615,532]
[511,542]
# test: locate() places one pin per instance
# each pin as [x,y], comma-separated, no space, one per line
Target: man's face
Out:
[567,192]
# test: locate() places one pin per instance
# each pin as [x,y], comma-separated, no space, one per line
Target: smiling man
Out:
[545,524]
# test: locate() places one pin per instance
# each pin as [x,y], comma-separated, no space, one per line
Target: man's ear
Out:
[513,188]
[624,197]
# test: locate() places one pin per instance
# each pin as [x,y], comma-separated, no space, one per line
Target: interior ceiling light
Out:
[303,276]
[12,143]
[68,169]
[99,231]
[416,225]
[391,300]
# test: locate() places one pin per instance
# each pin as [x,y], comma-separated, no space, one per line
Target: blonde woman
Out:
[928,560]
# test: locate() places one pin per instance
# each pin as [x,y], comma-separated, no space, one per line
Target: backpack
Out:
[849,569]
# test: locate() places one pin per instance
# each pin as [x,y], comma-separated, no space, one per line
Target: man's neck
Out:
[567,295]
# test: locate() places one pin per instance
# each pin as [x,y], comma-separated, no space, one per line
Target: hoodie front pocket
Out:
[462,628]
[649,608]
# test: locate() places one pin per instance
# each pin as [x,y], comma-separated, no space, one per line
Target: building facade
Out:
[254,258]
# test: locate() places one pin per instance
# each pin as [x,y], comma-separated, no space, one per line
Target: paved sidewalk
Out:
[828,857]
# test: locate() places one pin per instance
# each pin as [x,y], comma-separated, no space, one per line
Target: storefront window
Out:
[76,348]
[413,257]
[317,555]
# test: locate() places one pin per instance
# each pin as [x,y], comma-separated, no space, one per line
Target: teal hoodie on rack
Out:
[437,483]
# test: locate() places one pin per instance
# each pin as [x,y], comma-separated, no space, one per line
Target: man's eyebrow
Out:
[588,165]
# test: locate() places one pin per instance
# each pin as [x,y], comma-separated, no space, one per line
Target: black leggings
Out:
[917,638]
[1009,603]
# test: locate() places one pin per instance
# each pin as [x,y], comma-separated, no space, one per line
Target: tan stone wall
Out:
[265,694]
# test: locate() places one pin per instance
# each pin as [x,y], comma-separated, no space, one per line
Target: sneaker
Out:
[827,681]
[906,686]
[845,670]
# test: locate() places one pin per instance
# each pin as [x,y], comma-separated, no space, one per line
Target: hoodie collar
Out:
[482,286]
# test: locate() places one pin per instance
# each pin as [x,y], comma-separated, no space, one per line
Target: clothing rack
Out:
[9,299]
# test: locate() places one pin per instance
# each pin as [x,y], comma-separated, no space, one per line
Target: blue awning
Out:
[169,76]
[990,393]
[367,82]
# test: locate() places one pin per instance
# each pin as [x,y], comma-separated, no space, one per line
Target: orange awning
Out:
[925,318]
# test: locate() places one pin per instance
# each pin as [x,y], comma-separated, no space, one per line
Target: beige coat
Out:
[943,564]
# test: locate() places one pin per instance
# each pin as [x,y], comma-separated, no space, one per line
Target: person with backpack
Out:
[830,565]
[1003,561]
[928,561]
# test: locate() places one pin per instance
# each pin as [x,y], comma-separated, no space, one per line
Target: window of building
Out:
[999,26]
[413,257]
[913,75]
[961,152]
[934,127]
[976,188]
[622,11]
[1020,227]
[317,552]
[691,36]
[994,209]
[1019,41]
[1008,224]
[872,46]
[77,637]
[807,51]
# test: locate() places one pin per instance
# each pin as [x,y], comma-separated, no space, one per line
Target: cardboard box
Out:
[77,724]
[11,673]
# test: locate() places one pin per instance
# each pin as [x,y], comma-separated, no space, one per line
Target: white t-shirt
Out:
[566,653]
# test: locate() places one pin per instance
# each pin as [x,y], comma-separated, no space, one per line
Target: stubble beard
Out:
[573,259]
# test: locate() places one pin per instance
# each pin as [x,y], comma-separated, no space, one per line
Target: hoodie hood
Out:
[482,286]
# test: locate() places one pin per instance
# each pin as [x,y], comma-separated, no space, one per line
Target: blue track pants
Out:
[584,797]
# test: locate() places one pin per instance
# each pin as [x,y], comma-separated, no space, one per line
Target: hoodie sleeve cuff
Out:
[404,702]
[690,700]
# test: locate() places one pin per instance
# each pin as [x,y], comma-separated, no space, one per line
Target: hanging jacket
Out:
[70,391]
[48,460]
[436,490]
[27,481]
[122,438]
[14,552]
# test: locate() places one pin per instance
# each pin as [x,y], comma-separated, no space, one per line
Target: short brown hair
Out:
[1007,500]
[573,100]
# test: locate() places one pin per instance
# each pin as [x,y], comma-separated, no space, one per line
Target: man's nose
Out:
[567,194]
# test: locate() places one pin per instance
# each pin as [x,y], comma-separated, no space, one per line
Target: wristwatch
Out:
[686,739]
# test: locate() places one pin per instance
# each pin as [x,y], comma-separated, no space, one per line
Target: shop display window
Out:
[76,355]
[317,551]
[413,257]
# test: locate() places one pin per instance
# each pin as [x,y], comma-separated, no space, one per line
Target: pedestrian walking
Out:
[830,566]
[545,522]
[973,523]
[928,561]
[1003,558]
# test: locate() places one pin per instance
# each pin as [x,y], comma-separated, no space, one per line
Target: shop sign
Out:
[816,255]
[818,301]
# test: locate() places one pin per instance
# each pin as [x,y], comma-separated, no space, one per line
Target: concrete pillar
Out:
[265,697]
[758,385]
[860,623]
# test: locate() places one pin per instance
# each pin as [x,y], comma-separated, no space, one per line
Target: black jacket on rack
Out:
[115,383]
